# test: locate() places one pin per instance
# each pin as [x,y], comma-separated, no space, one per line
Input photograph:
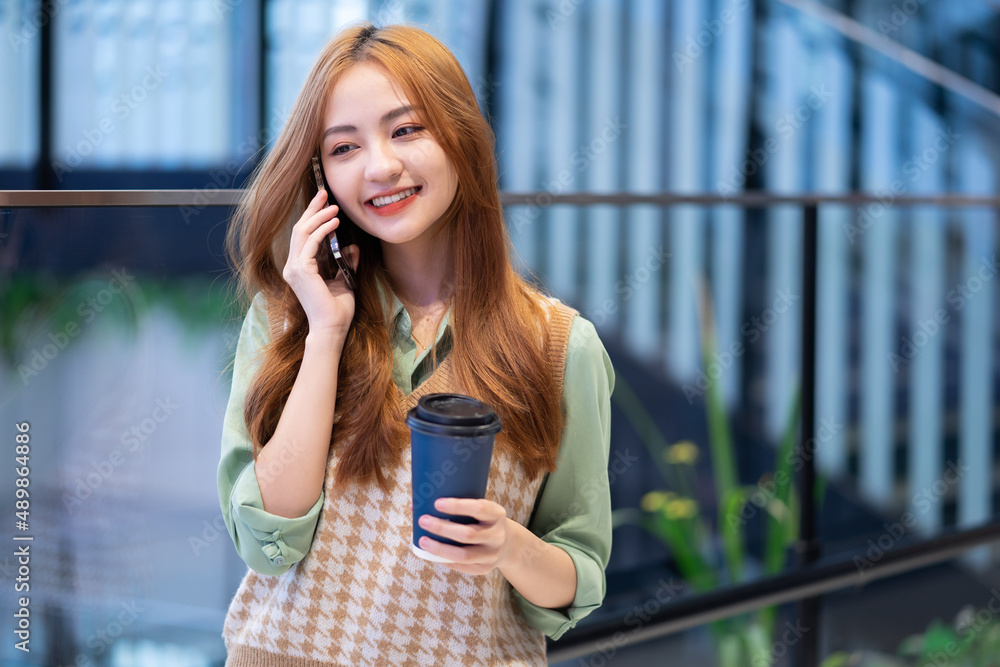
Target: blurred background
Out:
[781,215]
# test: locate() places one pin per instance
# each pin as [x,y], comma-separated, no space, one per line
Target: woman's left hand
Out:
[489,541]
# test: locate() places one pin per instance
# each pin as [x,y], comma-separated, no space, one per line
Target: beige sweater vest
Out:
[360,596]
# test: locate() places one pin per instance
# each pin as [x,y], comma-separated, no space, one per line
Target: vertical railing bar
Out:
[45,179]
[262,81]
[809,546]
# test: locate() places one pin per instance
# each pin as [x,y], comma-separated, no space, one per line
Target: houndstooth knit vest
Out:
[360,596]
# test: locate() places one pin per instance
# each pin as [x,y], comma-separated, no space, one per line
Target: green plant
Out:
[673,515]
[39,303]
[972,640]
[861,659]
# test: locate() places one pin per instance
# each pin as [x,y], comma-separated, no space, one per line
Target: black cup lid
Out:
[454,410]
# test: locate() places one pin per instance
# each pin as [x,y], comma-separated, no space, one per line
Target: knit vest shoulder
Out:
[360,596]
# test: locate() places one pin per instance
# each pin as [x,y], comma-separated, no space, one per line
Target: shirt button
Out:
[278,560]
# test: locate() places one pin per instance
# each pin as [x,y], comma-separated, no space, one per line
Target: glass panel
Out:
[298,29]
[20,24]
[906,436]
[116,335]
[152,84]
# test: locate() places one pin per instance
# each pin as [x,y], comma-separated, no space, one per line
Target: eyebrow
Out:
[386,118]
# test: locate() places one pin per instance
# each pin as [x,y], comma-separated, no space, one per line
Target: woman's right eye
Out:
[341,149]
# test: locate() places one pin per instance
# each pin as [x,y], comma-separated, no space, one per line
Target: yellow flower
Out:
[653,501]
[682,452]
[681,508]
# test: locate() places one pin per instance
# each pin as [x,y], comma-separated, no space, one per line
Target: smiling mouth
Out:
[379,202]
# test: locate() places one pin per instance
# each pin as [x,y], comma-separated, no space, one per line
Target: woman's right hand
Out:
[329,304]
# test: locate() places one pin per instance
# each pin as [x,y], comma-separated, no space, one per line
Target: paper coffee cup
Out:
[451,448]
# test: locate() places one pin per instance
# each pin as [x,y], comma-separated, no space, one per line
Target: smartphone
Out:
[345,223]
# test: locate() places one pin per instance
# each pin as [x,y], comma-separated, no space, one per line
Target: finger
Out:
[460,555]
[315,205]
[319,218]
[452,530]
[306,226]
[320,236]
[477,508]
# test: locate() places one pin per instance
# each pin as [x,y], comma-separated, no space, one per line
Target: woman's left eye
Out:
[406,130]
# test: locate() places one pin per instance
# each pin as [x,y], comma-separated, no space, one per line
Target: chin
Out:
[400,232]
[398,239]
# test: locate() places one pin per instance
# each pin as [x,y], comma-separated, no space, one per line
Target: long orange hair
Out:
[498,324]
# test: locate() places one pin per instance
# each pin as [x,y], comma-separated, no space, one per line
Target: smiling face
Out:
[385,169]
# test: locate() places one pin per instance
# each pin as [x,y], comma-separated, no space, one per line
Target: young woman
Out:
[314,479]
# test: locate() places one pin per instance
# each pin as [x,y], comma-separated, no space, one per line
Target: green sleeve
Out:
[268,543]
[573,510]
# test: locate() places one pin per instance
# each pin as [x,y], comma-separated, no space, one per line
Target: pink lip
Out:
[394,207]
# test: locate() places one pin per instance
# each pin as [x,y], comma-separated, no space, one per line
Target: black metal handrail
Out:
[801,584]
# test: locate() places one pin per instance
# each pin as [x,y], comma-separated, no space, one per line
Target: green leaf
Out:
[730,651]
[757,640]
[838,659]
[731,529]
[720,442]
[781,528]
[938,636]
[690,562]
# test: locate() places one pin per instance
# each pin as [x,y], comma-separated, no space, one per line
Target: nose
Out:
[383,163]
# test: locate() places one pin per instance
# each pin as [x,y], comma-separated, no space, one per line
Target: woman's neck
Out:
[420,273]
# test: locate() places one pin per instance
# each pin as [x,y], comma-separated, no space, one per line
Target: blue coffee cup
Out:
[451,448]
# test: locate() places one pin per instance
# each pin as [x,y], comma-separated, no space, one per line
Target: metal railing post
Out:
[808,543]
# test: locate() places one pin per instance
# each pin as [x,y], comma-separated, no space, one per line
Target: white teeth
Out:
[379,202]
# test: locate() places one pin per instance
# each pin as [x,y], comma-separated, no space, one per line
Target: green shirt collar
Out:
[410,369]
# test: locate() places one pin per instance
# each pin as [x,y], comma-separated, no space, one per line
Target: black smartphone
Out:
[344,228]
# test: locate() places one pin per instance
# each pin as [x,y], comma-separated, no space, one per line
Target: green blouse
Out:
[573,509]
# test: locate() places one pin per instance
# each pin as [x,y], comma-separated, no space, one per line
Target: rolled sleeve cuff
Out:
[590,584]
[278,542]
